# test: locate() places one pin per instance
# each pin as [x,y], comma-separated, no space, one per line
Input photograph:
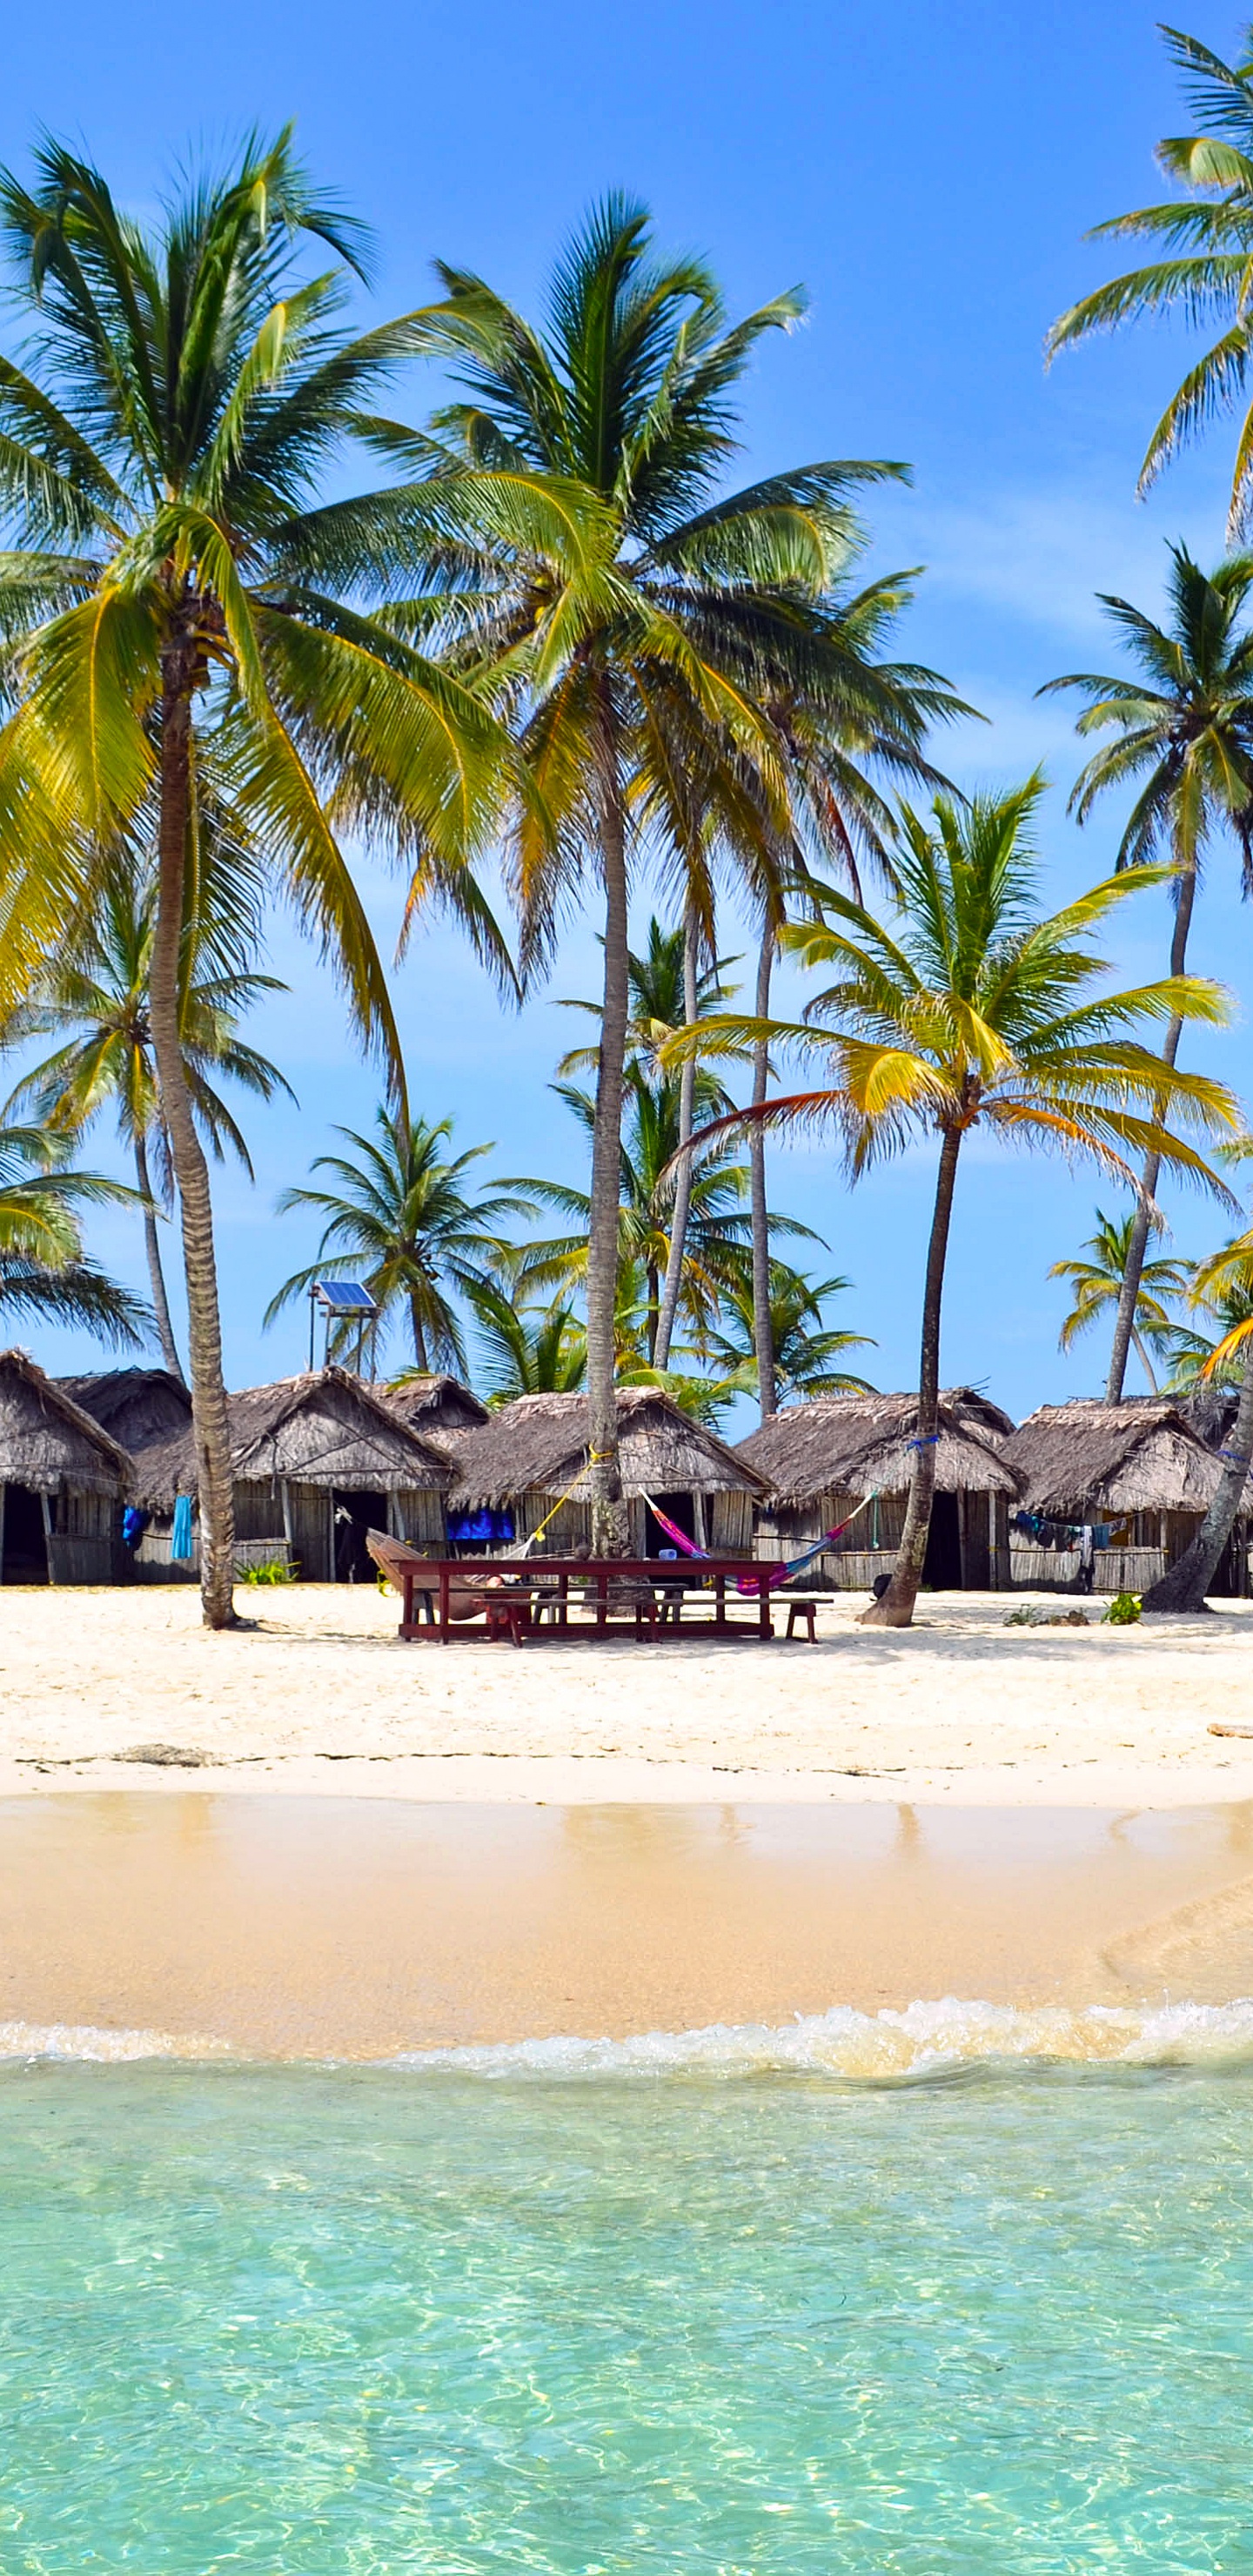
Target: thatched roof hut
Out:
[317,1459]
[849,1444]
[1088,1460]
[825,1456]
[62,1479]
[526,1454]
[136,1406]
[436,1406]
[1139,1470]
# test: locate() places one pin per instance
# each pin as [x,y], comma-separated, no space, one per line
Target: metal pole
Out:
[313,1308]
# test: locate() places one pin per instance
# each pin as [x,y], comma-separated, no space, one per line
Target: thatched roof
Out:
[851,1444]
[326,1429]
[537,1443]
[46,1440]
[436,1405]
[1098,1459]
[135,1406]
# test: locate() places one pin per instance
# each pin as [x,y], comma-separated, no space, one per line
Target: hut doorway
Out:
[352,1515]
[942,1564]
[679,1508]
[24,1546]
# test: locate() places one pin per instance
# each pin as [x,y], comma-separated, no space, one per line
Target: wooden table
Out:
[564,1578]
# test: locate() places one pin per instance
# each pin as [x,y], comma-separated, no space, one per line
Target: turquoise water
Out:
[339,2322]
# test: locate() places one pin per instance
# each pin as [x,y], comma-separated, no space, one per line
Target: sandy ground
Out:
[365,1927]
[321,1696]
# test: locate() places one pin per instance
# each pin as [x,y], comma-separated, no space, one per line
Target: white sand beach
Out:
[320,1696]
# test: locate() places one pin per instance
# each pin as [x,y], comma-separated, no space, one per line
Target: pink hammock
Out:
[779,1573]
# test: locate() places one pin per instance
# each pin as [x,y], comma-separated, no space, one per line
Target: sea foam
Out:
[925,2039]
[84,2042]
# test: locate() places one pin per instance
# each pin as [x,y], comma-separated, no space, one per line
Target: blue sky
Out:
[928,172]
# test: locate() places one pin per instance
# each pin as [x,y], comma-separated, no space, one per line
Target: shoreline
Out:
[595,1780]
[304,1839]
[362,1929]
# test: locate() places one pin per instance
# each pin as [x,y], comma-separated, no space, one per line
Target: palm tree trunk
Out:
[1138,1244]
[896,1609]
[1141,1351]
[210,1428]
[156,1275]
[609,1518]
[1186,1584]
[652,1292]
[759,1214]
[683,1180]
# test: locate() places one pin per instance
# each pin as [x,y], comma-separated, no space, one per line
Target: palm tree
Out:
[808,1353]
[669,988]
[403,1212]
[717,1232]
[1216,1357]
[172,591]
[44,1272]
[1207,237]
[94,996]
[656,981]
[841,824]
[629,620]
[972,1009]
[1097,1284]
[1183,726]
[1224,1281]
[672,1283]
[526,1351]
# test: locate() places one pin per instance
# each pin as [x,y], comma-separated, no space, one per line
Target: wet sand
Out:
[361,1927]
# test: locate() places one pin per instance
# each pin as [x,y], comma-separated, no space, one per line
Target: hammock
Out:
[749,1585]
[680,1537]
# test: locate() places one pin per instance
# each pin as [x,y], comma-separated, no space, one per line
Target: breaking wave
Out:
[926,2039]
[83,2042]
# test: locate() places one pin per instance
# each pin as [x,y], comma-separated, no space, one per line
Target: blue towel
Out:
[181,1540]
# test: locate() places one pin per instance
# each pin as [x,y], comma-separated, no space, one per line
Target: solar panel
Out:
[345,1297]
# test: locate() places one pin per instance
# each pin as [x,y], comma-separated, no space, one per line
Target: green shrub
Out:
[1031,1617]
[277,1570]
[1123,1611]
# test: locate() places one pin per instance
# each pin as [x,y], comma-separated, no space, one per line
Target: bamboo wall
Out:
[80,1531]
[1116,1569]
[415,1514]
[75,1515]
[418,1517]
[869,1548]
[302,1534]
[80,1560]
[731,1524]
[1157,1540]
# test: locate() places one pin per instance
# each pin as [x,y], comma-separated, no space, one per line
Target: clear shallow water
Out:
[340,2322]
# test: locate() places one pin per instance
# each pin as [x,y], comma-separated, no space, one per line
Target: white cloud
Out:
[1043,551]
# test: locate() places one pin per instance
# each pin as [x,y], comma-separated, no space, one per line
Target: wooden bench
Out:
[802,1605]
